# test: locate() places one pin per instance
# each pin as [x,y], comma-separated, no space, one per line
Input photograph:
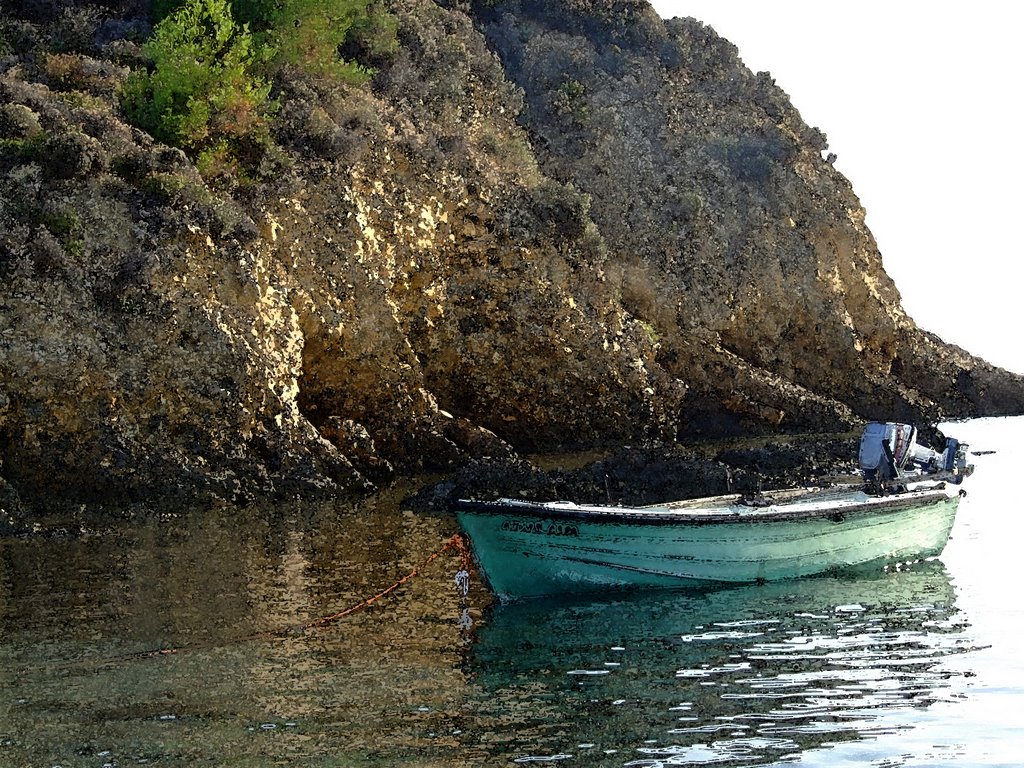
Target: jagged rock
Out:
[652,475]
[18,121]
[12,512]
[538,228]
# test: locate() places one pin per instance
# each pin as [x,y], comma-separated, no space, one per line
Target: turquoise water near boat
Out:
[918,667]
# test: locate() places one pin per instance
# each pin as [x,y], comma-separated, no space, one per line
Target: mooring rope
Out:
[456,543]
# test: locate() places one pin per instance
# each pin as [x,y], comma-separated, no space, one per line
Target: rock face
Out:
[540,227]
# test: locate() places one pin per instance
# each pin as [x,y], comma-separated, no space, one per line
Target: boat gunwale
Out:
[653,515]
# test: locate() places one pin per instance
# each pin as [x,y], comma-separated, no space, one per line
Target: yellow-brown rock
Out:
[533,230]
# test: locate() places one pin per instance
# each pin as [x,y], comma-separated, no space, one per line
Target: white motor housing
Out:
[889,452]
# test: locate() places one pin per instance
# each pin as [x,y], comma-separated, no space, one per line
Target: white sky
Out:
[921,103]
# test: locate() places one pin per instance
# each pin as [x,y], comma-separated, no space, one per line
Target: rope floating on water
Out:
[456,543]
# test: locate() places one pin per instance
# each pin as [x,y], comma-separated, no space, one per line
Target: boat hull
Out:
[529,550]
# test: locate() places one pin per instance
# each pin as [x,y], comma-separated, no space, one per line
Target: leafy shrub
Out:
[202,89]
[165,186]
[161,9]
[67,72]
[208,89]
[373,38]
[75,29]
[310,34]
[18,122]
[569,100]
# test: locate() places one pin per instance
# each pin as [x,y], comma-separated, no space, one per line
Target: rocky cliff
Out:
[539,226]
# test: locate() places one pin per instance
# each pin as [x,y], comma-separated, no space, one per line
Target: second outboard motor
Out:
[956,460]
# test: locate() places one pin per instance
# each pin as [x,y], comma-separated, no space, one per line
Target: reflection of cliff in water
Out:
[747,675]
[75,609]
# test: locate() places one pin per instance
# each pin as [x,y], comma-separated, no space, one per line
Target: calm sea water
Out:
[922,666]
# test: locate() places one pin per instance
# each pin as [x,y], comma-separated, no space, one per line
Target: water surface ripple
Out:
[921,666]
[743,676]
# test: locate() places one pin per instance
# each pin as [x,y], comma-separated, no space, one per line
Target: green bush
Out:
[202,88]
[207,90]
[309,34]
[311,41]
[30,148]
[570,100]
[373,38]
[6,46]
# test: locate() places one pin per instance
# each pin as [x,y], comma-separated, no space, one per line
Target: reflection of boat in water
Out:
[749,673]
[567,624]
[903,510]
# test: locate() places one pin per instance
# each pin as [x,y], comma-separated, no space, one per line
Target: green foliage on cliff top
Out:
[208,90]
[310,33]
[203,88]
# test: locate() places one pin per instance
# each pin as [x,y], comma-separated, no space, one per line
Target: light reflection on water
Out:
[743,676]
[914,668]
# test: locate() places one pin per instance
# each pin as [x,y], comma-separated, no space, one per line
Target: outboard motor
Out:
[884,448]
[956,460]
[889,453]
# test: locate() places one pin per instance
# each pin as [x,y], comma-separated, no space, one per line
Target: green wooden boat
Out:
[904,511]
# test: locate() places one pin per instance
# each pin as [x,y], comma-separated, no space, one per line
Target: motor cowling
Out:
[889,451]
[884,449]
